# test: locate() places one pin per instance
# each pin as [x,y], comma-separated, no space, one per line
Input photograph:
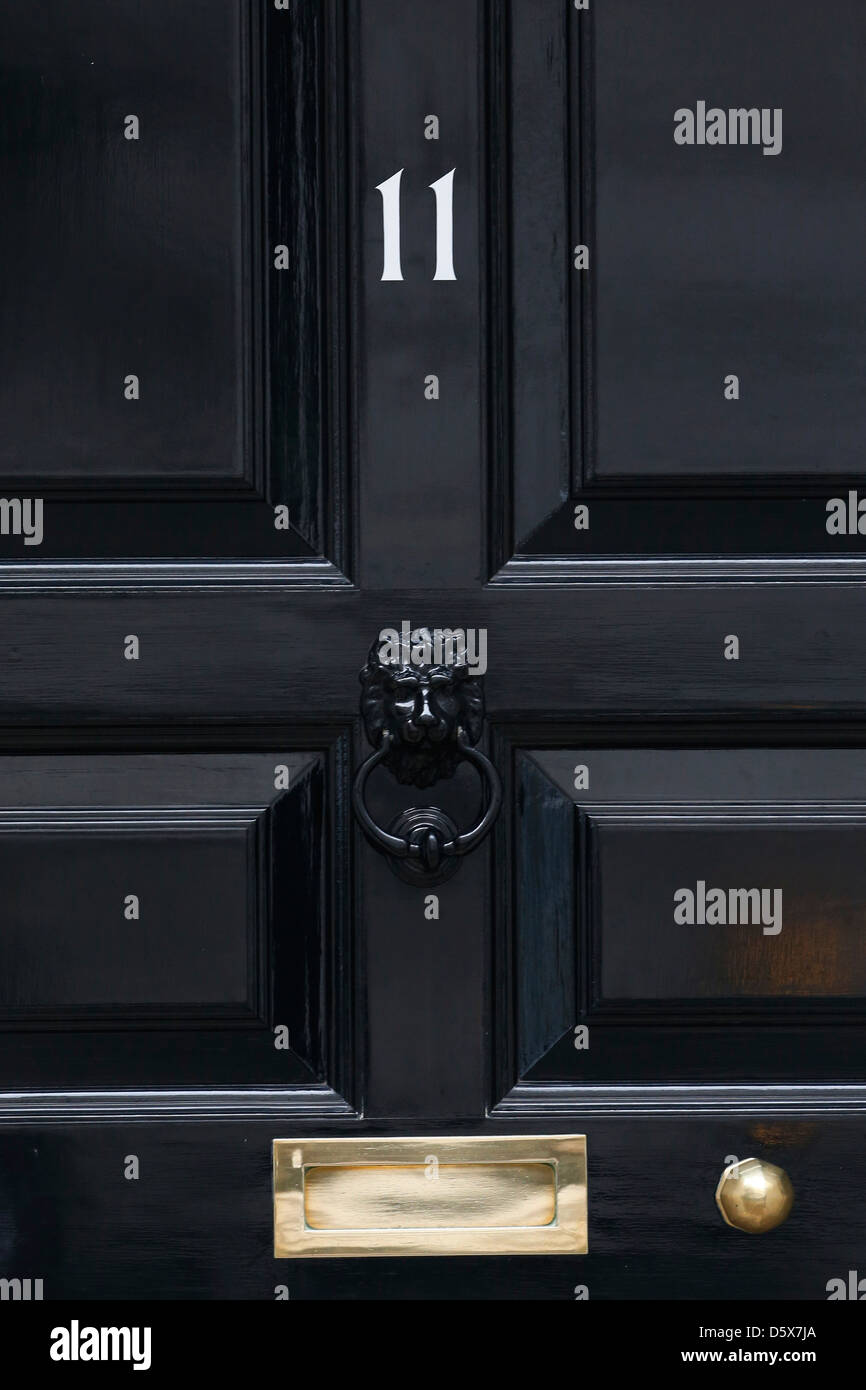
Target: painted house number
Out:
[443,190]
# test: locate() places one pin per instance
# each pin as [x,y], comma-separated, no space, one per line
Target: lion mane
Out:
[422,753]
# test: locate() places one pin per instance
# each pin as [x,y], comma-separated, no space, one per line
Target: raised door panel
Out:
[170,920]
[685,915]
[682,346]
[117,136]
[195,954]
[170,266]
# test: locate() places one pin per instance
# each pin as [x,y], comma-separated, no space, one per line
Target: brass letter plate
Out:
[489,1195]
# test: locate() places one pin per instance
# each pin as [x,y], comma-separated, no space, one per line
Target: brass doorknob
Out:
[754,1195]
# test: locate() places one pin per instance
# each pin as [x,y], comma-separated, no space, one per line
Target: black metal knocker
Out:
[423,719]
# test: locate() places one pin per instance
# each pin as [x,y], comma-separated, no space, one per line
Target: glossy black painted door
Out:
[259,432]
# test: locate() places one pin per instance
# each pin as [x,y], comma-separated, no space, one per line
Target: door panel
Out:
[684,362]
[143,284]
[686,914]
[171,920]
[805,855]
[73,963]
[169,259]
[722,267]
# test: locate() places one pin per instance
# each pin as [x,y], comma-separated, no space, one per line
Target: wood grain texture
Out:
[545,890]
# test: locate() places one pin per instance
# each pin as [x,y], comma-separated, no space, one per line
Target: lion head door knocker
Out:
[422,704]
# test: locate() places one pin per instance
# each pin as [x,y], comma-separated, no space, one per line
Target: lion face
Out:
[423,707]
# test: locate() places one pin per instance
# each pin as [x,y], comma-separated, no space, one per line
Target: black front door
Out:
[509,354]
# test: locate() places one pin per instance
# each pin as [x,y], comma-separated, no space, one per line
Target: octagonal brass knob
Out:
[754,1195]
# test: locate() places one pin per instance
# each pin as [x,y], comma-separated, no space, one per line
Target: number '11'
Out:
[444,192]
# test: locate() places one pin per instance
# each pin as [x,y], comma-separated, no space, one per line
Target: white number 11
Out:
[443,189]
